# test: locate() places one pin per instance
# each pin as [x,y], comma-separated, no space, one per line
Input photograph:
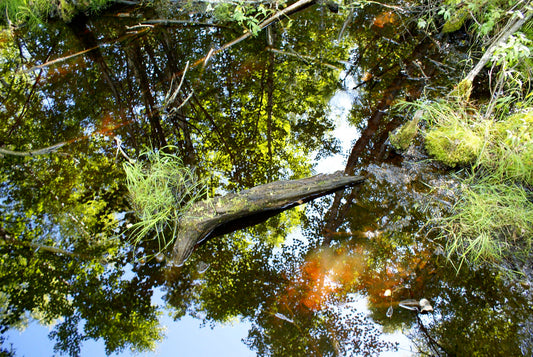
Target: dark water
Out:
[323,280]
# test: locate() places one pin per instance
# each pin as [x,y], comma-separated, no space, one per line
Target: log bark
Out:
[224,214]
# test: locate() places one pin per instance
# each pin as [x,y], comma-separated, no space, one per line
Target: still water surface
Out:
[338,276]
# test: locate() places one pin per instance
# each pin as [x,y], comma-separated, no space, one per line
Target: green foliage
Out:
[517,48]
[161,190]
[247,15]
[20,12]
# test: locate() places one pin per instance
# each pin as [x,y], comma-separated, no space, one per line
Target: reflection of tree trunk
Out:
[176,115]
[380,111]
[198,105]
[185,144]
[338,210]
[135,57]
[86,37]
[7,239]
[270,98]
[221,215]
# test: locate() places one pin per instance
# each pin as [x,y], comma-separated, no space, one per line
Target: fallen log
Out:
[220,215]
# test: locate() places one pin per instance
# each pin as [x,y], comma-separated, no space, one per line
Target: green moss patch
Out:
[402,138]
[454,145]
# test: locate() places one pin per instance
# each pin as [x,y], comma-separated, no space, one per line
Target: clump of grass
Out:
[161,189]
[23,12]
[491,219]
[510,154]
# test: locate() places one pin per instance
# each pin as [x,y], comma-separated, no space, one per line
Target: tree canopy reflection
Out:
[252,114]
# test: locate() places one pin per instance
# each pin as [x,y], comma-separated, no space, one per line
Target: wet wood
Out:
[224,214]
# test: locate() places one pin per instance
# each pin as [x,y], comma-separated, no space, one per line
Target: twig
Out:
[119,149]
[400,9]
[62,59]
[8,239]
[348,20]
[175,94]
[312,59]
[168,22]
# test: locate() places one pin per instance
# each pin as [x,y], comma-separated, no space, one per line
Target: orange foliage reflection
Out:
[321,275]
[369,269]
[385,18]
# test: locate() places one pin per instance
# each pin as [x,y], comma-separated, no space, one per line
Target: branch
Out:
[512,26]
[248,33]
[310,58]
[43,151]
[8,239]
[169,22]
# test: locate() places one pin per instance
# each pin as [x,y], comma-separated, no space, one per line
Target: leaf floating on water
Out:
[423,305]
[390,311]
[283,317]
[202,267]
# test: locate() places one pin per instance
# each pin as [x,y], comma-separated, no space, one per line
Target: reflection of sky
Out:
[340,106]
[183,338]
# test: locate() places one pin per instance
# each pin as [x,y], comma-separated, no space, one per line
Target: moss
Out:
[456,21]
[454,145]
[462,91]
[402,137]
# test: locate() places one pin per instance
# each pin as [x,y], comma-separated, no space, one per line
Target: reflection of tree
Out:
[479,313]
[235,124]
[329,332]
[254,115]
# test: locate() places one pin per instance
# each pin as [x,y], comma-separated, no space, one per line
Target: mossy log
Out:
[214,217]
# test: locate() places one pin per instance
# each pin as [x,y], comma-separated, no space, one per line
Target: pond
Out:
[355,272]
